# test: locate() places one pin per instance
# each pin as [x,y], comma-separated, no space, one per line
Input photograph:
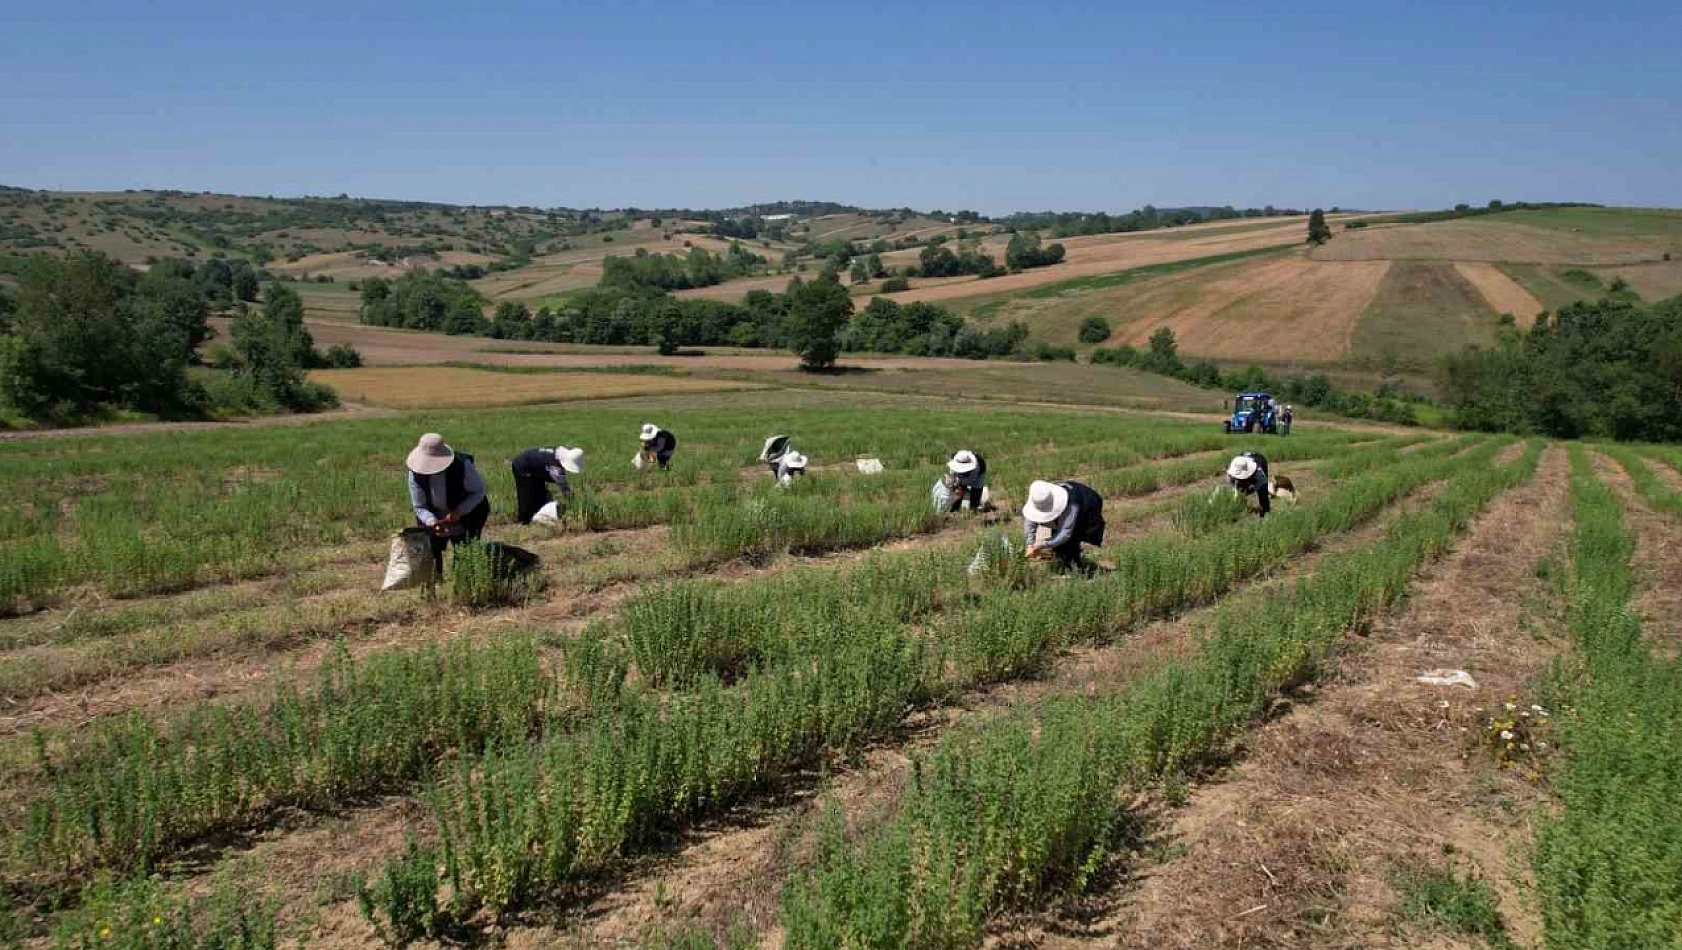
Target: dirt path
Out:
[732,870]
[1366,777]
[349,410]
[1658,554]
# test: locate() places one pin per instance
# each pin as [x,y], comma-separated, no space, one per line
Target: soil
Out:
[1368,776]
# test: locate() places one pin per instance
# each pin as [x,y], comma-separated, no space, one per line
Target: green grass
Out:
[1546,284]
[1602,222]
[1422,310]
[1440,899]
[1608,863]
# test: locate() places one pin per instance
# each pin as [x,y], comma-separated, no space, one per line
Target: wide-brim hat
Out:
[649,431]
[794,460]
[1241,468]
[1046,502]
[571,459]
[430,455]
[962,463]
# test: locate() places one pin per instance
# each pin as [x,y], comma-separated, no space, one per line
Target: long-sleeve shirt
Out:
[532,462]
[472,482]
[1062,530]
[1256,484]
[662,445]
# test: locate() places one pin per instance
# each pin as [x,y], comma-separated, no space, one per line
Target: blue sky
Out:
[996,108]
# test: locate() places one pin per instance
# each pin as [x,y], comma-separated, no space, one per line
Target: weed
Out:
[402,904]
[1440,899]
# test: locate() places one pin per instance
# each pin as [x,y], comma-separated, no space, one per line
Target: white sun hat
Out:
[649,431]
[962,463]
[1046,502]
[1241,468]
[430,455]
[571,459]
[794,460]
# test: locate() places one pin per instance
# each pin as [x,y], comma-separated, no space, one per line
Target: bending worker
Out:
[1074,514]
[1248,476]
[447,494]
[789,467]
[967,477]
[657,444]
[536,469]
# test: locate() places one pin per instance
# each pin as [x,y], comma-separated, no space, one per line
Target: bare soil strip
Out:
[731,871]
[1368,776]
[1503,293]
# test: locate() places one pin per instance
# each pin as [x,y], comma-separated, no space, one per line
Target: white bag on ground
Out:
[941,495]
[637,461]
[548,514]
[870,466]
[410,563]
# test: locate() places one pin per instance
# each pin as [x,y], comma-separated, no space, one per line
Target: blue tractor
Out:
[1253,412]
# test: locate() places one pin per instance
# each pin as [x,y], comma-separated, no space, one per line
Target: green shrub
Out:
[481,575]
[894,285]
[140,914]
[1197,514]
[1438,898]
[1094,329]
[402,904]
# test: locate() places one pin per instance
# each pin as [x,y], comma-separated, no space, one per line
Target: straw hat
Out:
[963,463]
[1241,468]
[430,455]
[571,459]
[649,431]
[1046,502]
[794,460]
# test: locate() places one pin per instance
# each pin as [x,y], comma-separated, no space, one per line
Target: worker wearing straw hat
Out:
[966,475]
[791,466]
[536,469]
[657,444]
[447,493]
[1073,514]
[1247,474]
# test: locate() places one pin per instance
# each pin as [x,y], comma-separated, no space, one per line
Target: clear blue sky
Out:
[1067,105]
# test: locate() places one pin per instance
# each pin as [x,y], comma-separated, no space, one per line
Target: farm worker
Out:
[447,493]
[1073,512]
[1248,476]
[536,469]
[791,465]
[967,476]
[1285,420]
[657,444]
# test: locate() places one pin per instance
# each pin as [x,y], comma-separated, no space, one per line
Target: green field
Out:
[1602,222]
[1423,311]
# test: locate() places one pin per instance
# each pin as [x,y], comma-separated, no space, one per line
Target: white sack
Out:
[548,514]
[637,461]
[870,466]
[410,563]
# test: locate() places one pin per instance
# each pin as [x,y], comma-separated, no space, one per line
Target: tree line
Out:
[1148,218]
[1604,369]
[85,337]
[813,318]
[698,268]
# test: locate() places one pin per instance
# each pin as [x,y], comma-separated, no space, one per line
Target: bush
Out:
[1094,330]
[342,356]
[1116,355]
[402,905]
[482,575]
[896,284]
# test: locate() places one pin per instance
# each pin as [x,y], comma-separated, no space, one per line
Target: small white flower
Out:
[1510,706]
[1506,734]
[1525,715]
[1525,746]
[1442,704]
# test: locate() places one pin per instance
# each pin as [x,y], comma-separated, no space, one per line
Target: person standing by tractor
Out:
[657,445]
[536,469]
[967,479]
[1285,420]
[1247,474]
[1074,514]
[447,494]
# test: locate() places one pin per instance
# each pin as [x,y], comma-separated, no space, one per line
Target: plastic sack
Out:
[941,495]
[548,514]
[638,461]
[870,466]
[410,563]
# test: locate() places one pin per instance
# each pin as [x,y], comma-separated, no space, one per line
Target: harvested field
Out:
[1489,239]
[1501,292]
[1309,315]
[444,387]
[1653,282]
[1544,283]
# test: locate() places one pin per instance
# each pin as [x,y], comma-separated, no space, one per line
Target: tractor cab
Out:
[1253,412]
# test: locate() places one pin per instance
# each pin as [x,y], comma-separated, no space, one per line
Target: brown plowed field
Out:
[1502,292]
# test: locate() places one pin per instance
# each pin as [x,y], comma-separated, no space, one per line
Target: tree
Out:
[1318,232]
[1024,251]
[816,313]
[275,349]
[1164,354]
[1094,329]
